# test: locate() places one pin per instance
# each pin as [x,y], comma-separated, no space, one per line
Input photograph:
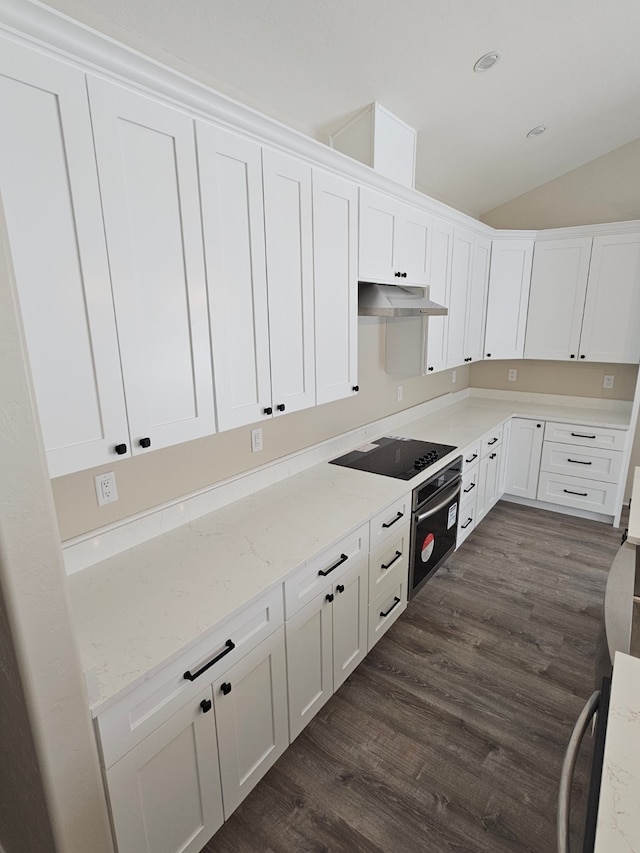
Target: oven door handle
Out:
[451,493]
[568,768]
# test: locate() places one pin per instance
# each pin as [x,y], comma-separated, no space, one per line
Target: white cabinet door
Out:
[488,482]
[309,661]
[460,275]
[251,718]
[556,300]
[49,189]
[412,245]
[350,621]
[376,243]
[439,284]
[477,299]
[165,793]
[233,225]
[509,282]
[335,261]
[288,228]
[611,324]
[523,460]
[149,185]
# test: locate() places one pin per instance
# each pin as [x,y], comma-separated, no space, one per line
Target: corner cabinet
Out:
[468,297]
[508,298]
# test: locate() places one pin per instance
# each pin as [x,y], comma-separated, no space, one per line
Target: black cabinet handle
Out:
[472,486]
[325,572]
[466,524]
[329,597]
[538,425]
[226,687]
[395,560]
[583,356]
[387,524]
[340,587]
[579,461]
[582,435]
[356,388]
[580,494]
[404,275]
[206,705]
[492,455]
[471,458]
[267,411]
[488,355]
[229,646]
[120,449]
[280,407]
[145,442]
[397,274]
[430,370]
[572,355]
[396,602]
[493,441]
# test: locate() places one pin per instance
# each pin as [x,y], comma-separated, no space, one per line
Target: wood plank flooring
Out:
[449,737]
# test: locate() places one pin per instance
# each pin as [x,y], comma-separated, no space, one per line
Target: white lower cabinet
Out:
[387,607]
[523,462]
[489,473]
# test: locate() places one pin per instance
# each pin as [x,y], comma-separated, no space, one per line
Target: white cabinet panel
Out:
[611,324]
[439,287]
[488,482]
[509,282]
[288,229]
[350,614]
[523,463]
[385,609]
[586,435]
[460,276]
[578,492]
[165,794]
[412,245]
[590,463]
[335,258]
[390,559]
[556,300]
[49,189]
[233,225]
[149,185]
[477,299]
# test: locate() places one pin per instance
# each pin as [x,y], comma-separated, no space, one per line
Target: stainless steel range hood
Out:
[396,300]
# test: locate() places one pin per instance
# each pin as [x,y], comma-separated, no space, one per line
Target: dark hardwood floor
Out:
[449,737]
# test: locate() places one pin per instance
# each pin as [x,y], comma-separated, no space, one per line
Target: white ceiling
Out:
[573,65]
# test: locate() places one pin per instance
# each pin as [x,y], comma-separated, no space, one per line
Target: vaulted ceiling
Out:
[572,65]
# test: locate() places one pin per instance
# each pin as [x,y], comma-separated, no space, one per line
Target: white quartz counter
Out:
[141,608]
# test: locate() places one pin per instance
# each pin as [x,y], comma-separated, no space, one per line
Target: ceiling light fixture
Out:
[487,61]
[536,131]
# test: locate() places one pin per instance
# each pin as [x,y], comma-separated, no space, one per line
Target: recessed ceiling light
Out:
[487,61]
[536,131]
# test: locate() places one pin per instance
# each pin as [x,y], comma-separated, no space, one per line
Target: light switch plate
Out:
[256,440]
[399,393]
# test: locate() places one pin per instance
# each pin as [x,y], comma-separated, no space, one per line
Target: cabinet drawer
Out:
[491,440]
[467,520]
[322,571]
[386,608]
[471,455]
[586,436]
[389,561]
[139,713]
[386,523]
[590,463]
[469,484]
[577,492]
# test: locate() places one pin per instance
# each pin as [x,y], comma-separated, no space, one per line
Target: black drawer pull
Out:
[267,411]
[281,407]
[387,524]
[395,560]
[492,455]
[580,494]
[396,602]
[340,587]
[472,486]
[581,435]
[329,597]
[120,449]
[466,524]
[229,646]
[579,461]
[325,572]
[226,687]
[206,705]
[145,442]
[355,388]
[471,458]
[493,441]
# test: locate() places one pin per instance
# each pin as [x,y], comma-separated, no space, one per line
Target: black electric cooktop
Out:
[401,458]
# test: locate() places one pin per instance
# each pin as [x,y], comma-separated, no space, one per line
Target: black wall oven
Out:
[434,523]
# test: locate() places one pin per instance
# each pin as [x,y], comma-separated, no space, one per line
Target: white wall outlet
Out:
[106,490]
[399,396]
[513,374]
[607,382]
[454,376]
[256,440]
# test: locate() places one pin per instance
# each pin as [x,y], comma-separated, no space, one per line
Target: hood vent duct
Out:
[396,300]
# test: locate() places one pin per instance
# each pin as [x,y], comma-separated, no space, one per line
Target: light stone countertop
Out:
[138,610]
[618,825]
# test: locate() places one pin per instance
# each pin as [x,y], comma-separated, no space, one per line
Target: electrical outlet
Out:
[399,393]
[513,375]
[106,490]
[454,376]
[256,440]
[607,382]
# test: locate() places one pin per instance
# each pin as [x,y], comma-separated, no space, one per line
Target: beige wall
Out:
[152,479]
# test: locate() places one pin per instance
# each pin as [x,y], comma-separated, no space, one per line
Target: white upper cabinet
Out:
[477,298]
[440,286]
[149,185]
[611,324]
[468,297]
[233,225]
[394,241]
[289,244]
[556,300]
[335,260]
[49,189]
[509,281]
